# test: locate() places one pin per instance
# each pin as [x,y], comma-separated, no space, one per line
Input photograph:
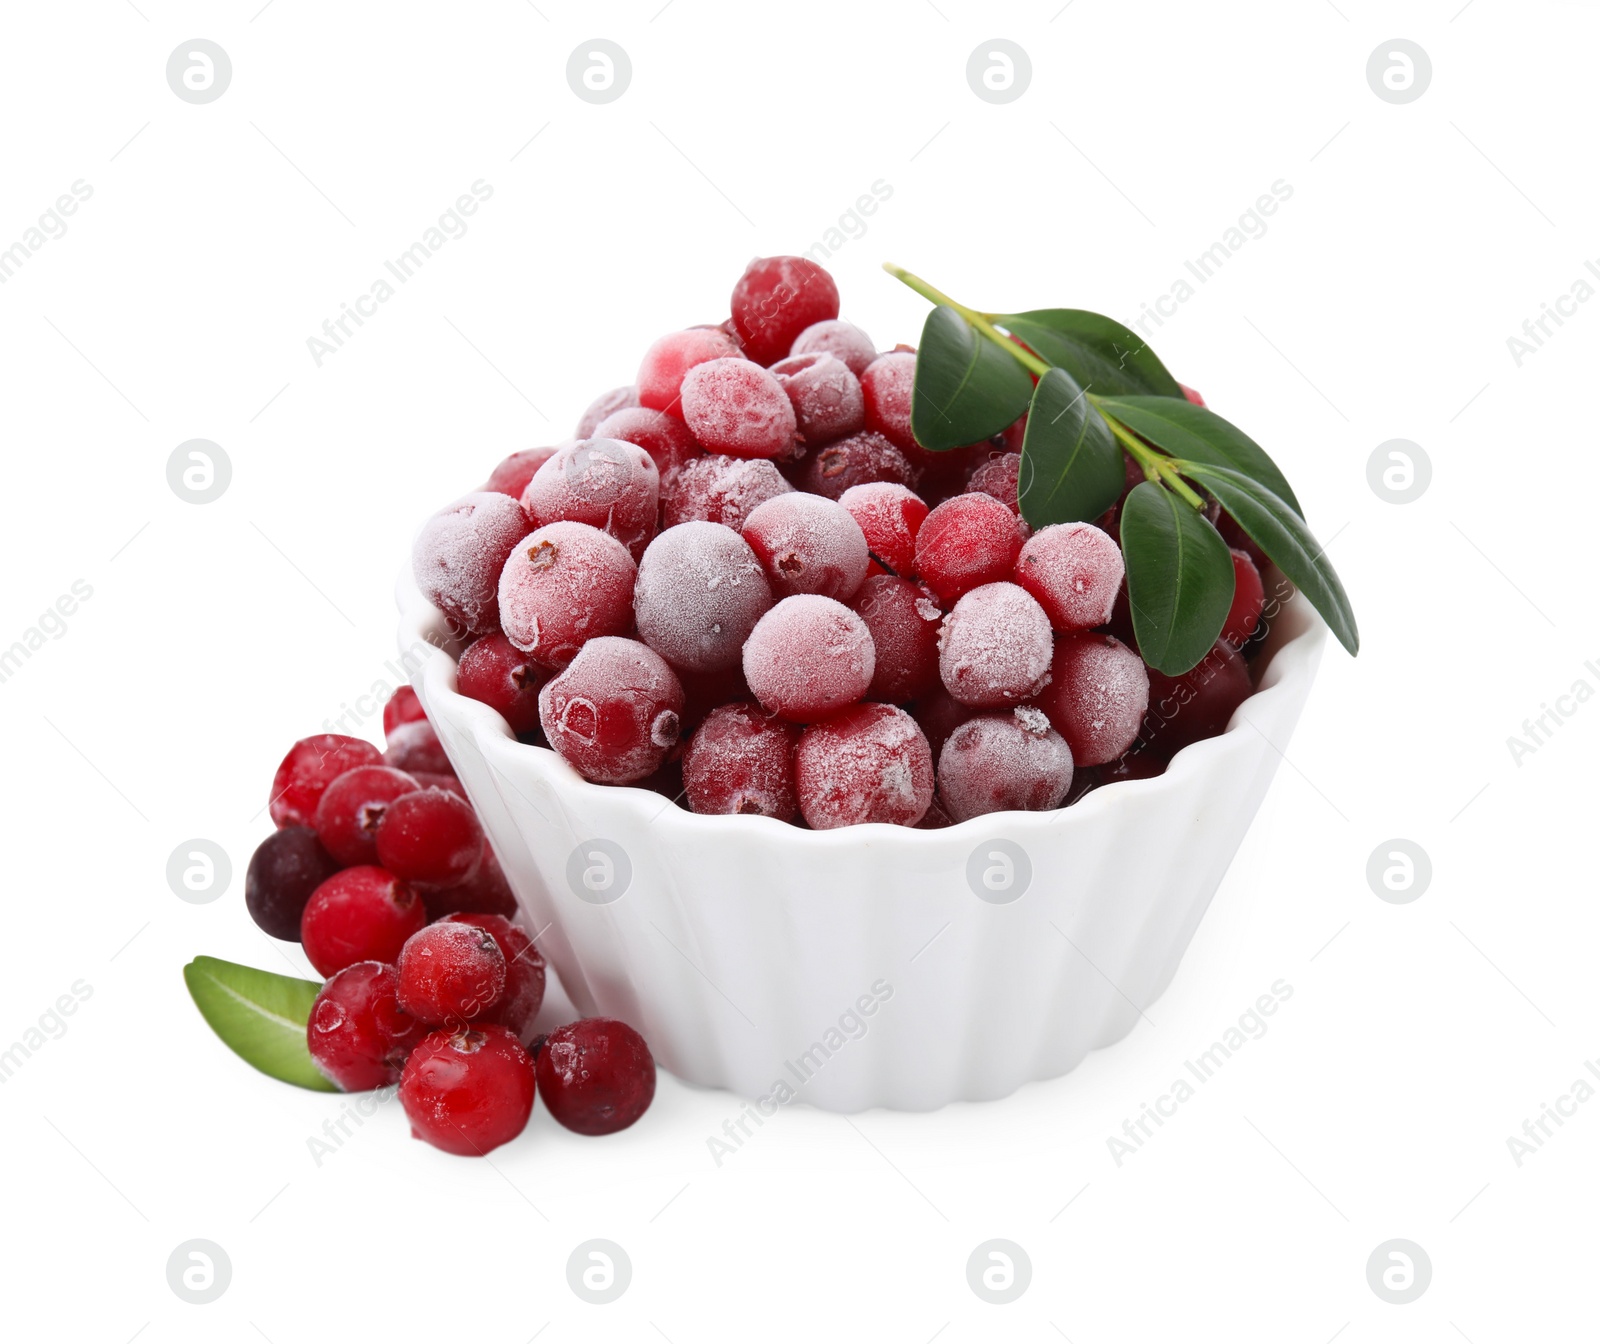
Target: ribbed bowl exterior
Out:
[867,966]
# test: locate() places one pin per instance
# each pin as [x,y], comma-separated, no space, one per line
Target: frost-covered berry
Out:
[613,714]
[458,556]
[416,746]
[1098,692]
[1074,570]
[1000,476]
[567,583]
[518,1005]
[741,762]
[666,362]
[855,460]
[665,437]
[357,1033]
[1249,600]
[719,489]
[889,516]
[808,658]
[512,475]
[402,706]
[807,544]
[886,389]
[994,649]
[450,972]
[967,541]
[845,341]
[618,398]
[738,408]
[700,592]
[775,300]
[869,763]
[825,395]
[1004,763]
[903,620]
[605,483]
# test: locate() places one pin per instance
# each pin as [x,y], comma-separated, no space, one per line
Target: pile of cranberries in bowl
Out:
[380,869]
[745,585]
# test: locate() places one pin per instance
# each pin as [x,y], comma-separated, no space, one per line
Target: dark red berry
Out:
[889,515]
[451,973]
[665,437]
[358,1035]
[741,762]
[775,300]
[1196,705]
[285,869]
[1098,692]
[486,892]
[858,460]
[903,620]
[353,805]
[1249,600]
[416,746]
[496,672]
[361,914]
[468,1091]
[402,707]
[430,838]
[525,974]
[432,779]
[312,764]
[596,1075]
[1012,762]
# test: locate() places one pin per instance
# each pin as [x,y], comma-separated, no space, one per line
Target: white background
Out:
[178,305]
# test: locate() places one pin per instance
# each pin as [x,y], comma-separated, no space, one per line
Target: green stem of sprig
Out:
[1157,466]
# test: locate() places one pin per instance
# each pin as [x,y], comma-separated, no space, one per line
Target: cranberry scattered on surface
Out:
[416,746]
[1074,570]
[495,672]
[889,515]
[351,808]
[450,973]
[568,582]
[775,300]
[1004,762]
[967,541]
[739,408]
[364,913]
[719,489]
[402,707]
[807,544]
[808,657]
[458,556]
[869,763]
[845,341]
[700,592]
[903,620]
[1098,693]
[596,1075]
[995,647]
[431,839]
[670,358]
[468,1091]
[614,713]
[285,869]
[358,1034]
[741,762]
[609,484]
[519,1004]
[311,765]
[856,460]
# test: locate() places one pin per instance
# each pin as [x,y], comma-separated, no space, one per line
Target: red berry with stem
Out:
[402,707]
[741,762]
[808,658]
[869,763]
[468,1091]
[567,583]
[825,395]
[967,541]
[358,1034]
[1004,763]
[855,460]
[845,341]
[450,973]
[304,774]
[416,746]
[495,672]
[886,390]
[1249,600]
[286,868]
[775,300]
[665,437]
[719,489]
[607,403]
[519,1004]
[457,557]
[512,475]
[1098,693]
[596,1075]
[889,515]
[431,839]
[364,913]
[700,592]
[351,808]
[807,544]
[1075,571]
[995,647]
[670,358]
[739,408]
[614,713]
[903,620]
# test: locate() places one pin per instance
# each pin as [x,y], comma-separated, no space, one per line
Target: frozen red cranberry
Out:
[1004,763]
[312,764]
[889,516]
[903,620]
[706,691]
[1074,570]
[808,657]
[286,868]
[845,341]
[613,714]
[468,1091]
[1240,540]
[486,892]
[431,839]
[596,1075]
[1000,476]
[351,808]
[511,477]
[701,591]
[607,403]
[1191,395]
[939,714]
[869,763]
[1249,599]
[358,1034]
[738,408]
[741,762]
[886,390]
[807,544]
[519,1004]
[1012,436]
[825,395]
[497,673]
[458,556]
[606,483]
[935,818]
[1098,692]
[666,362]
[719,489]
[995,647]
[775,300]
[364,913]
[450,973]
[856,460]
[1196,705]
[665,437]
[967,541]
[434,779]
[416,746]
[567,583]
[1133,764]
[402,707]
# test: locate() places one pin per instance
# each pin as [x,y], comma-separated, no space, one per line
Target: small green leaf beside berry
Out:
[260,1016]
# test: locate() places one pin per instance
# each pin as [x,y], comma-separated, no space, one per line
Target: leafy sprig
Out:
[1093,391]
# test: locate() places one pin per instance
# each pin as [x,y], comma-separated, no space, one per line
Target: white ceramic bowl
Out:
[872,965]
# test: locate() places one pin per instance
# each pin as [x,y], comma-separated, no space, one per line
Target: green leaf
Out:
[1193,432]
[261,1017]
[967,387]
[1180,578]
[1280,531]
[1071,466]
[1102,355]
